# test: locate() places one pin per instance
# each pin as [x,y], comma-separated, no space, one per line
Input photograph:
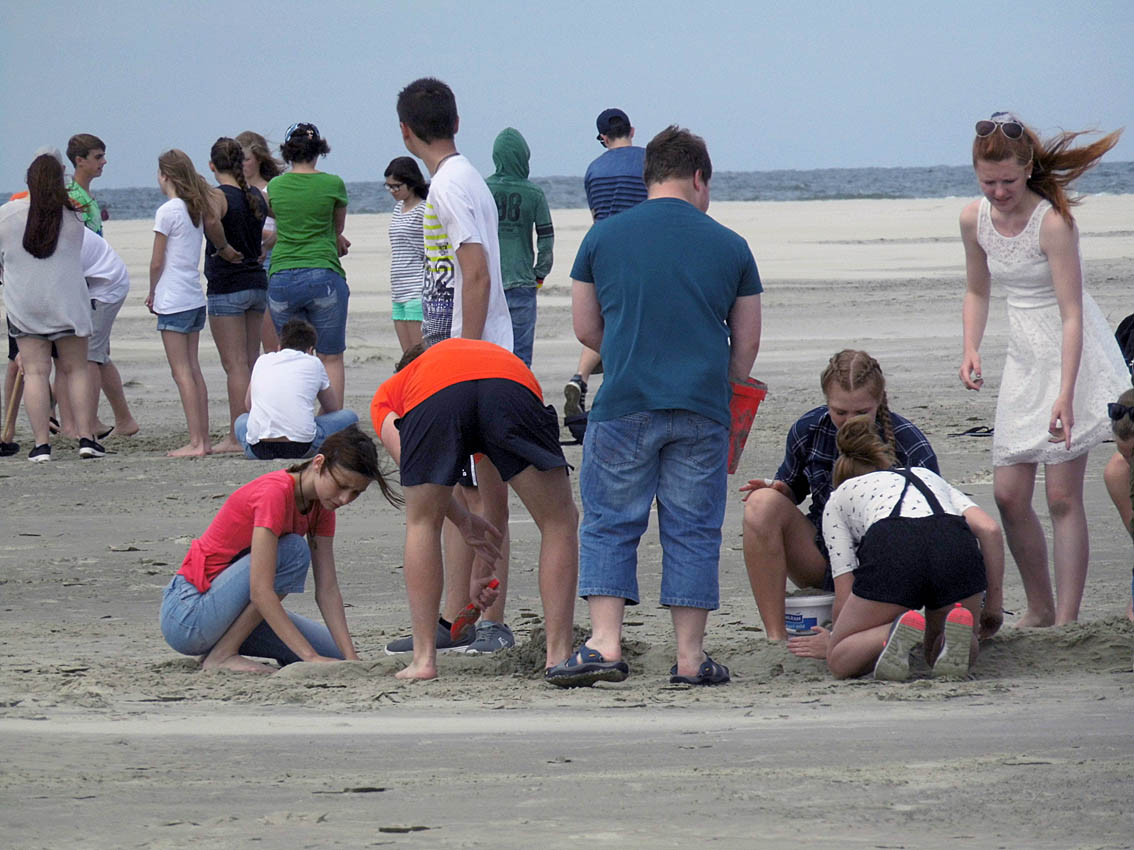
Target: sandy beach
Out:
[111,739]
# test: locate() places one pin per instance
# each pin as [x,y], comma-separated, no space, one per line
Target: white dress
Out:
[1032,369]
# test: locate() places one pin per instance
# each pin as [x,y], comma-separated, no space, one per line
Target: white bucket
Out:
[803,613]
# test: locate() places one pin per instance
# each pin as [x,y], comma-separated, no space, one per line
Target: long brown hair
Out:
[188,185]
[227,157]
[49,202]
[861,450]
[267,165]
[1054,163]
[851,370]
[354,451]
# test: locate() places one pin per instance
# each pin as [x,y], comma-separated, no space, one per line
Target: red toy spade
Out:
[466,620]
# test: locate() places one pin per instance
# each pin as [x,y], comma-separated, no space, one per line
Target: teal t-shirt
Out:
[304,206]
[666,276]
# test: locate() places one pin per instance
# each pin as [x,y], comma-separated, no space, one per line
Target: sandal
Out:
[975,431]
[584,668]
[711,673]
[53,425]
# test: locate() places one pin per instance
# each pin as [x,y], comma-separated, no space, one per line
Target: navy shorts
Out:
[494,416]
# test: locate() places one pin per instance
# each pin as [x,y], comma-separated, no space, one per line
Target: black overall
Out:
[930,561]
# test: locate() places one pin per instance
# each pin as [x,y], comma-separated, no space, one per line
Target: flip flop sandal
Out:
[975,431]
[711,673]
[584,668]
[53,425]
[105,433]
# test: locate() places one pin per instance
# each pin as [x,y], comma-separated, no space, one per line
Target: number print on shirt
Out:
[508,205]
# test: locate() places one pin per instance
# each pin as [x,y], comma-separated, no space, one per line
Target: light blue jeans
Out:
[325,425]
[192,622]
[680,458]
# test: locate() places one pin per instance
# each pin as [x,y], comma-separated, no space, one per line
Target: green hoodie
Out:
[521,206]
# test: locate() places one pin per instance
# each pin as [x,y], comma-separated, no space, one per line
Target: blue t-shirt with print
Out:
[666,276]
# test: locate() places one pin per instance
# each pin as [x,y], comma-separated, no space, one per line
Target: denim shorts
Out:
[185,322]
[408,311]
[238,303]
[318,295]
[678,457]
[522,306]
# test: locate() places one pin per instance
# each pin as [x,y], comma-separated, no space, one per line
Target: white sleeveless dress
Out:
[1031,371]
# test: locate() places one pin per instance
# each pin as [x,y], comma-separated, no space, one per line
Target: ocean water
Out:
[941,181]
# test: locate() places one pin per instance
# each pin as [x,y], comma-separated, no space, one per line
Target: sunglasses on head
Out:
[1009,125]
[1116,411]
[299,126]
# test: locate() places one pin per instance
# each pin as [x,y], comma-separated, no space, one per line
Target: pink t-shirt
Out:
[265,502]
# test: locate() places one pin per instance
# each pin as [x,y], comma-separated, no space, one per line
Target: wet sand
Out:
[110,739]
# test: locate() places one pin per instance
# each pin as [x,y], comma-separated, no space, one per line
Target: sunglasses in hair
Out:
[299,126]
[1116,411]
[1009,126]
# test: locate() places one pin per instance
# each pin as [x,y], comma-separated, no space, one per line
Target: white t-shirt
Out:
[107,278]
[285,384]
[179,287]
[460,209]
[860,502]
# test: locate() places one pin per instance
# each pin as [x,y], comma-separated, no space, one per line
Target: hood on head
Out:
[510,153]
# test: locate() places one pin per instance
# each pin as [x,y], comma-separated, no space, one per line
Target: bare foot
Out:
[237,664]
[189,451]
[1032,620]
[1130,611]
[418,671]
[126,429]
[228,446]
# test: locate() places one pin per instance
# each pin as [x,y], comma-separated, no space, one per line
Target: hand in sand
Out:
[970,372]
[990,623]
[810,646]
[755,484]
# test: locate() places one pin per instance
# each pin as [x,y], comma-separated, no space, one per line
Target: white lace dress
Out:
[1031,371]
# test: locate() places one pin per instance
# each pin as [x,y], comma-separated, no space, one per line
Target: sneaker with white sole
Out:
[954,658]
[40,453]
[908,631]
[575,393]
[445,642]
[491,637]
[89,449]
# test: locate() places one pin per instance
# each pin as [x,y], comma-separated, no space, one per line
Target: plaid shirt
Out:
[809,461]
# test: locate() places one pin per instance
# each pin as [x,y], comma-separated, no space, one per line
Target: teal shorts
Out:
[407,311]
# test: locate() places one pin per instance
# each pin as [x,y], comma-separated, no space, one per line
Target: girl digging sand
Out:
[1063,364]
[225,603]
[175,295]
[1119,472]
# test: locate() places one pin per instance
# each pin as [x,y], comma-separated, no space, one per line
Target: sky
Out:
[769,85]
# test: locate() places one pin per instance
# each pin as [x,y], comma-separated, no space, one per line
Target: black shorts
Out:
[497,417]
[930,561]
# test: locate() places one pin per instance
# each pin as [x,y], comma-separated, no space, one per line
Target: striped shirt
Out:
[614,181]
[407,253]
[809,461]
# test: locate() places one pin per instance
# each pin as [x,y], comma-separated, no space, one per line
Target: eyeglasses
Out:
[1009,125]
[309,129]
[393,187]
[1116,411]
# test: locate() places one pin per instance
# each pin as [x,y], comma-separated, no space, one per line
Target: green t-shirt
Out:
[87,206]
[304,206]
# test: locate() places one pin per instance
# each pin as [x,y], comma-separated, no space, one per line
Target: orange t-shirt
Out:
[449,362]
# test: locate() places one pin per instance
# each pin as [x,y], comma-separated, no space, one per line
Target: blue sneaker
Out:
[445,643]
[491,637]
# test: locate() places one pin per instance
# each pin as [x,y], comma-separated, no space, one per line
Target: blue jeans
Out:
[318,295]
[238,303]
[184,322]
[192,622]
[522,305]
[325,425]
[678,456]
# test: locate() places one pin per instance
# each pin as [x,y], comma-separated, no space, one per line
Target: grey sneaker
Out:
[575,393]
[491,637]
[444,642]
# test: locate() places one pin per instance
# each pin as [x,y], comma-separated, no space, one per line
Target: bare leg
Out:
[36,357]
[490,500]
[409,334]
[336,371]
[860,635]
[589,360]
[72,366]
[124,423]
[1071,548]
[61,397]
[12,398]
[689,628]
[458,566]
[1013,487]
[269,339]
[233,337]
[1117,478]
[181,351]
[779,541]
[94,384]
[425,510]
[547,496]
[606,625]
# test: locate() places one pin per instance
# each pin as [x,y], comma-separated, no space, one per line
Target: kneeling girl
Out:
[900,539]
[225,603]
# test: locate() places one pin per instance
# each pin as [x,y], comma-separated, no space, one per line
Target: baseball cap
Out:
[608,117]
